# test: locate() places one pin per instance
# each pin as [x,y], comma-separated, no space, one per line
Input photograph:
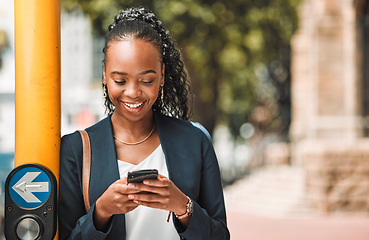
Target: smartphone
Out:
[140,175]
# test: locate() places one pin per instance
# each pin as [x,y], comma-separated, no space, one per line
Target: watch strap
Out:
[188,210]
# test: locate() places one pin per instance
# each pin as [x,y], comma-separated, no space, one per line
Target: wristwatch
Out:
[189,209]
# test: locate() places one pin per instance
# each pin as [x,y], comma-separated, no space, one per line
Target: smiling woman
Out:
[133,74]
[145,89]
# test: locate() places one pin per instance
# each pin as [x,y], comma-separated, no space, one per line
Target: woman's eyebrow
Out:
[141,73]
[119,73]
[146,72]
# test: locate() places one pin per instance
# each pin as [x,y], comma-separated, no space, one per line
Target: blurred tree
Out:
[4,45]
[237,54]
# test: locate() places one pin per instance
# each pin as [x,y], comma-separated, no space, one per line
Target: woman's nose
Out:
[132,90]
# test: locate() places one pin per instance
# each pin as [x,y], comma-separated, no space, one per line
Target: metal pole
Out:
[37,83]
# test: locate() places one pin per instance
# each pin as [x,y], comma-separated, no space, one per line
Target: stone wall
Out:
[337,174]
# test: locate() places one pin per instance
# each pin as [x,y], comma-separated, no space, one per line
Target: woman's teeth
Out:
[135,105]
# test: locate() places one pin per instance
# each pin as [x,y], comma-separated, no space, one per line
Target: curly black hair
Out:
[140,23]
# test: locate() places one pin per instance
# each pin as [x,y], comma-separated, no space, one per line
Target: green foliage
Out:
[237,53]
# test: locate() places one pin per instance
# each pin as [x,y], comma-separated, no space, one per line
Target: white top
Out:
[145,223]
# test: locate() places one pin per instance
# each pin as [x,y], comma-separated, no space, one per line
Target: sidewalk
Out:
[271,205]
[247,227]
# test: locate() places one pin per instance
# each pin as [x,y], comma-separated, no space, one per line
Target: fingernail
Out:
[131,185]
[146,182]
[130,196]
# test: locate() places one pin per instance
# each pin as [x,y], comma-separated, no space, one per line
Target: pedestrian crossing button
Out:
[28,229]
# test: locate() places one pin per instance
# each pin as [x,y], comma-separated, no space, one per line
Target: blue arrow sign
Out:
[29,187]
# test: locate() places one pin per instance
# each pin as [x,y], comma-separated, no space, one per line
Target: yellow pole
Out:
[37,83]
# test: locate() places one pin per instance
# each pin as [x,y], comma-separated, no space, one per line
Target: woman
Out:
[145,90]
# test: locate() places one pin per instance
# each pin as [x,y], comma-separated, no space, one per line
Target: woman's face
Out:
[133,74]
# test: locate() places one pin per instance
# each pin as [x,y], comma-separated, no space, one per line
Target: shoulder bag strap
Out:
[86,167]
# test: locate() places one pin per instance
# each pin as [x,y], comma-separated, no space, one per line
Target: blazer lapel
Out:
[171,146]
[104,166]
[182,152]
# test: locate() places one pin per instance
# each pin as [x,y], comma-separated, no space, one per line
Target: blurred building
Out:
[81,69]
[330,102]
[81,55]
[7,76]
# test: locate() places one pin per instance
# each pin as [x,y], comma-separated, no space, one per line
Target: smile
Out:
[133,105]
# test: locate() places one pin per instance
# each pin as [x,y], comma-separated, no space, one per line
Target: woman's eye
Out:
[120,82]
[147,82]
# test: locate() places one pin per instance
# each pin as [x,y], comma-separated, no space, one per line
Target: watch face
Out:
[190,207]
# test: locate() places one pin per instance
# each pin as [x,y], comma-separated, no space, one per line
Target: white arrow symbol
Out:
[25,187]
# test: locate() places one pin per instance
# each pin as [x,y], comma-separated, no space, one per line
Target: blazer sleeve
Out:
[74,222]
[209,217]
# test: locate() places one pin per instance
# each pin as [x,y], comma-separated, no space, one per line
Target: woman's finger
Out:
[139,187]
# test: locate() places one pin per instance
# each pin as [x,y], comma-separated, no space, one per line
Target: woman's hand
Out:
[160,193]
[113,201]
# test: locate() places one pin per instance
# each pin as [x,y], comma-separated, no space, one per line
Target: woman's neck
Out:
[131,130]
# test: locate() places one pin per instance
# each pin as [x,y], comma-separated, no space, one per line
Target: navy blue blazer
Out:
[192,166]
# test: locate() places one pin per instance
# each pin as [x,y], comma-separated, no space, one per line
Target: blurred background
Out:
[281,85]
